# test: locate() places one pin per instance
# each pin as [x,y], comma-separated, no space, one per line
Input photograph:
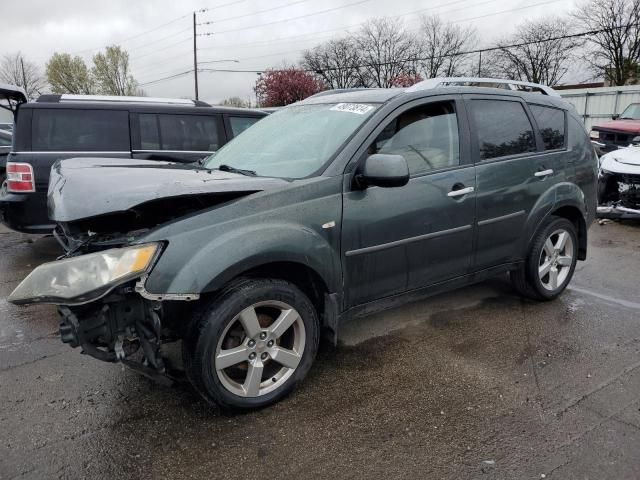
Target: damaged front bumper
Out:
[119,328]
[104,306]
[617,211]
[618,195]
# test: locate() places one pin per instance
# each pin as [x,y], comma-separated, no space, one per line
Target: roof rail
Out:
[123,99]
[483,82]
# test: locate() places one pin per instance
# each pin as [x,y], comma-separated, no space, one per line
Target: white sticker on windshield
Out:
[358,108]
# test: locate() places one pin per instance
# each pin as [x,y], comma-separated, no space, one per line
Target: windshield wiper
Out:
[229,168]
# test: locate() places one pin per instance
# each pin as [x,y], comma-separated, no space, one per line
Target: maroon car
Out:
[623,131]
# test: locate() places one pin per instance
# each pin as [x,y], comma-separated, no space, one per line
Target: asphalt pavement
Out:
[473,384]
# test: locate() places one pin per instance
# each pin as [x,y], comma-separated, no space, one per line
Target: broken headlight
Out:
[84,278]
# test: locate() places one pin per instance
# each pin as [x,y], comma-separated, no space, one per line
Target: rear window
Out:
[196,133]
[80,130]
[503,128]
[240,124]
[551,125]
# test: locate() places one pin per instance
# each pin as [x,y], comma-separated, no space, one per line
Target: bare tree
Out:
[387,51]
[542,53]
[67,74]
[17,70]
[112,74]
[336,62]
[235,102]
[442,45]
[615,51]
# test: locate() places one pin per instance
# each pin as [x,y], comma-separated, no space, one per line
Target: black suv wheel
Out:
[250,346]
[550,262]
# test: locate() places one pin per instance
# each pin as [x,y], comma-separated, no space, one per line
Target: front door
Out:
[403,238]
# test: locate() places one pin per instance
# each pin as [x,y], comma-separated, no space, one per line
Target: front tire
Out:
[252,345]
[550,262]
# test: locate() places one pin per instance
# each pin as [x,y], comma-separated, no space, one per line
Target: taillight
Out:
[20,178]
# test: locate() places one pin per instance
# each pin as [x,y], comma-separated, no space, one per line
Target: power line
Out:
[124,40]
[153,52]
[347,27]
[215,7]
[250,27]
[151,82]
[254,13]
[423,58]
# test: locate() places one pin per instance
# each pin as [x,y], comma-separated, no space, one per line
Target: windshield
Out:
[632,112]
[294,142]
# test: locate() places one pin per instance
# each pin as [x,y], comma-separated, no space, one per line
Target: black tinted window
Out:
[80,130]
[240,124]
[179,132]
[503,128]
[149,133]
[551,125]
[426,136]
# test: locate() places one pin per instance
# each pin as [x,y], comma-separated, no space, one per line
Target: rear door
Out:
[176,136]
[513,171]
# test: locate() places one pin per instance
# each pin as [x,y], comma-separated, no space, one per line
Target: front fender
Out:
[242,250]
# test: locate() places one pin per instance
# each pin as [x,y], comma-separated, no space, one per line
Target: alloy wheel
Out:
[556,259]
[260,349]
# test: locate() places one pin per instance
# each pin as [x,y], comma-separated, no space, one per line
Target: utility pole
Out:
[195,55]
[480,64]
[24,77]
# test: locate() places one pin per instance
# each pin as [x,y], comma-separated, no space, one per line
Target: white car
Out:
[619,183]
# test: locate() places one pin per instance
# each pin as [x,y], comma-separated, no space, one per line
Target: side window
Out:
[240,124]
[149,133]
[80,130]
[189,132]
[502,127]
[551,125]
[426,136]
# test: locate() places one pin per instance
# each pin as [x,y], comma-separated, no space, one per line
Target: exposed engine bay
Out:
[619,183]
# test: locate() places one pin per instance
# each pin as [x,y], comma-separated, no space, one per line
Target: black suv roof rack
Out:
[68,98]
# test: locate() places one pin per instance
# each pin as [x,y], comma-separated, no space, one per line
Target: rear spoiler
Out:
[11,96]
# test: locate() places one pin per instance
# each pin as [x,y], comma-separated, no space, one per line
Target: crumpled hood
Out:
[626,126]
[623,160]
[87,187]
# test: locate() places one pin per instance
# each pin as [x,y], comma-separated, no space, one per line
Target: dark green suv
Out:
[334,207]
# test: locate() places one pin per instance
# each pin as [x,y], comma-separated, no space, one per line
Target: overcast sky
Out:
[158,33]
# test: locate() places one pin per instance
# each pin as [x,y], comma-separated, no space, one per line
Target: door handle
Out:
[543,173]
[462,191]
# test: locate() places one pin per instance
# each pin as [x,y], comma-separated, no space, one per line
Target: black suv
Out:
[330,208]
[56,127]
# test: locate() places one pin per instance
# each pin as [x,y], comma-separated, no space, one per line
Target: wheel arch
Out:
[575,216]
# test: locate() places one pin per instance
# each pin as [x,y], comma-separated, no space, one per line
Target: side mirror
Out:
[382,170]
[615,116]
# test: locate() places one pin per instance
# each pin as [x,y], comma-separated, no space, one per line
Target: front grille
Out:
[629,190]
[616,138]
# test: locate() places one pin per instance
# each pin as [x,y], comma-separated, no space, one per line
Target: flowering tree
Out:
[405,81]
[276,88]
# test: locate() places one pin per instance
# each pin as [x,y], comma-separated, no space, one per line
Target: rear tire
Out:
[3,183]
[251,345]
[550,262]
